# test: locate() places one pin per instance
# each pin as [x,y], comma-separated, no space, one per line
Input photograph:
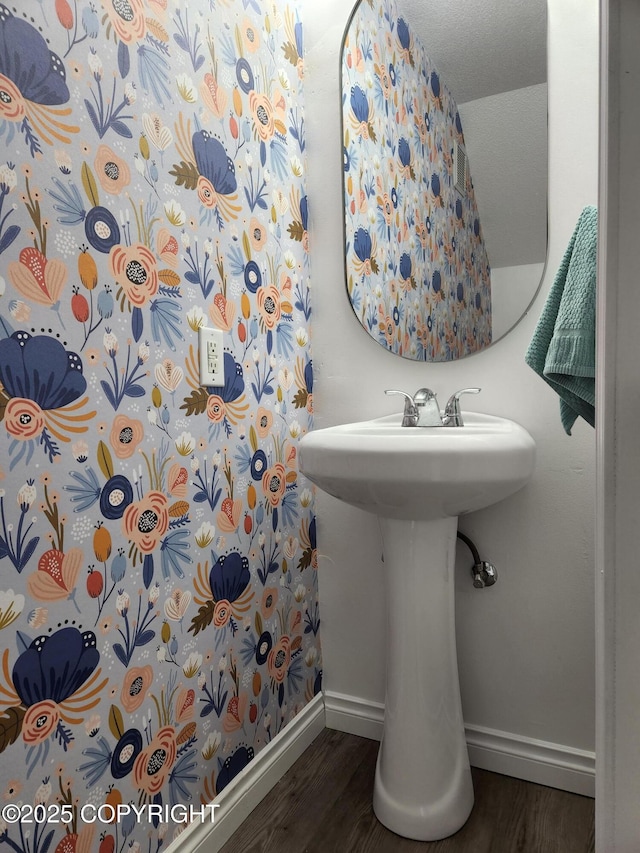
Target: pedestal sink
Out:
[418,481]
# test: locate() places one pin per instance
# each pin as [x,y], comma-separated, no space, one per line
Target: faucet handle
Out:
[452,413]
[410,410]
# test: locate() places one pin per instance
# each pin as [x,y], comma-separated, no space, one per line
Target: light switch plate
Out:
[211,356]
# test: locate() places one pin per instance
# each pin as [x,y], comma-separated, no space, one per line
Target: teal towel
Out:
[563,348]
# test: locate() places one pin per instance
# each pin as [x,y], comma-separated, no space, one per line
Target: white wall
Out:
[512,290]
[526,646]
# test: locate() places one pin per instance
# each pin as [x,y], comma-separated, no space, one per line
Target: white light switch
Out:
[211,356]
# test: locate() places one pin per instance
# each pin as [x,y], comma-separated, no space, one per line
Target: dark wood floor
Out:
[323,805]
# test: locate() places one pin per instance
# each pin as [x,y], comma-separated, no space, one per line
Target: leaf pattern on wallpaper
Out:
[418,275]
[156,538]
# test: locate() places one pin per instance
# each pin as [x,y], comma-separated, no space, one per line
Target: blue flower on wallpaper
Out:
[404,35]
[304,212]
[56,666]
[40,369]
[434,82]
[229,577]
[101,229]
[244,75]
[42,383]
[213,163]
[115,496]
[217,183]
[362,244]
[404,152]
[54,682]
[229,585]
[308,376]
[125,753]
[252,276]
[364,247]
[360,105]
[32,85]
[435,186]
[406,270]
[232,766]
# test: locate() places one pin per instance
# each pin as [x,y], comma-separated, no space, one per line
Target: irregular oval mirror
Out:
[444,121]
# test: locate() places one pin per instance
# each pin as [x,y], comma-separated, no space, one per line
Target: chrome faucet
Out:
[422,409]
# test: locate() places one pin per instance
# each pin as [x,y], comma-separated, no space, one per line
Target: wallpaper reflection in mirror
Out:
[418,274]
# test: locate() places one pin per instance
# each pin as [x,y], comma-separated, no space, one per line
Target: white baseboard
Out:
[253,783]
[538,761]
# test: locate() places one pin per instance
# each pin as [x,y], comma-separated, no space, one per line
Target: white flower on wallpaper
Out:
[157,542]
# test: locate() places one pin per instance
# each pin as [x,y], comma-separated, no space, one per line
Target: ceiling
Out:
[482,47]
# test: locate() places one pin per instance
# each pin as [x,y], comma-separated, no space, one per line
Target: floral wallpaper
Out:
[158,602]
[418,276]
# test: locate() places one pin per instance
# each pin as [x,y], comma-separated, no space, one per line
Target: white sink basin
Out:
[417,480]
[420,472]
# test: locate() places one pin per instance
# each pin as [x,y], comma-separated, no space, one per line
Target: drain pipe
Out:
[483,573]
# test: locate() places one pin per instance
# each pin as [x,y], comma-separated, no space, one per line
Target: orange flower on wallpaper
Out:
[127,19]
[229,516]
[264,422]
[216,408]
[236,709]
[136,682]
[279,659]
[285,294]
[268,116]
[221,613]
[422,234]
[257,234]
[153,765]
[269,601]
[420,123]
[274,483]
[385,205]
[36,277]
[214,96]
[125,436]
[146,521]
[12,105]
[177,480]
[382,74]
[206,193]
[40,721]
[113,172]
[386,325]
[136,271]
[167,248]
[23,419]
[269,306]
[250,36]
[56,575]
[185,704]
[222,312]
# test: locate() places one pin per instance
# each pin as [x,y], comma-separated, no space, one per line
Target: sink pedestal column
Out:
[423,787]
